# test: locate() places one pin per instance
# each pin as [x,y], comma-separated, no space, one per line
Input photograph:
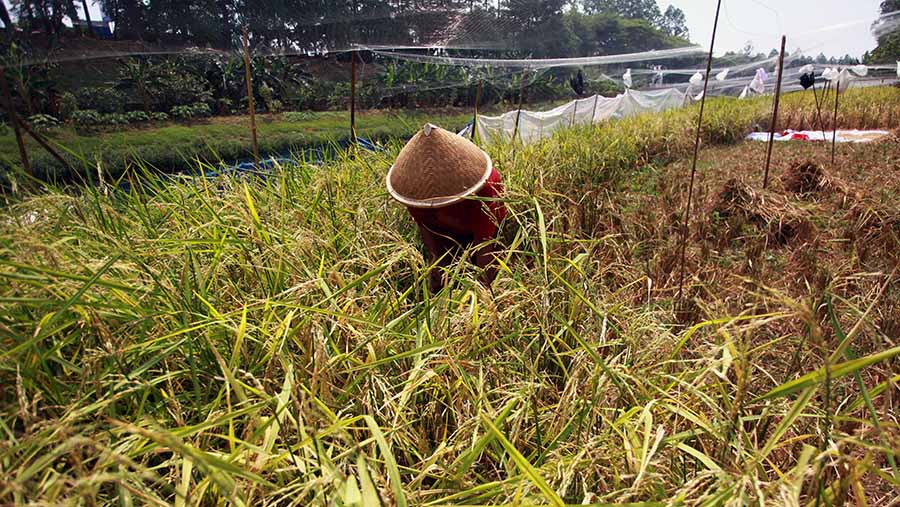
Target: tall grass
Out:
[274,342]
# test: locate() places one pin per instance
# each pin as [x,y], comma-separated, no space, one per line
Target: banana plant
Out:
[139,75]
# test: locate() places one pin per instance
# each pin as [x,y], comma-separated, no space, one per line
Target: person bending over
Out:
[451,189]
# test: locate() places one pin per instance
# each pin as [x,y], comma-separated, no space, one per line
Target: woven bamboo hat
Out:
[437,168]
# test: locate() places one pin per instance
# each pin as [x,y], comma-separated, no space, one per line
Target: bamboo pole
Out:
[11,112]
[246,40]
[774,122]
[519,109]
[353,96]
[475,116]
[594,112]
[687,214]
[19,123]
[40,140]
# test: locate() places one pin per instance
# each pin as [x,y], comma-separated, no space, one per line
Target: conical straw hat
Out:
[437,168]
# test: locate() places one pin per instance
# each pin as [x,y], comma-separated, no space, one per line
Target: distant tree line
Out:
[749,54]
[182,87]
[534,27]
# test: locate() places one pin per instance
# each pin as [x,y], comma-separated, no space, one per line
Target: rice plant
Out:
[271,340]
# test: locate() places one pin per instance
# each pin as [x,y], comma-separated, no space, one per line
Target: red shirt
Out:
[470,219]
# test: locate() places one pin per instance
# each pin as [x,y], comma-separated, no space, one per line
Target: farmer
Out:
[450,187]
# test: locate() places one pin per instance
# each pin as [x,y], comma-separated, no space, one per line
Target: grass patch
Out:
[173,147]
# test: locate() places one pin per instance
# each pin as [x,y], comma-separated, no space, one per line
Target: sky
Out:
[762,22]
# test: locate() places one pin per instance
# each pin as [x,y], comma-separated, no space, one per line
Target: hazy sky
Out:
[764,21]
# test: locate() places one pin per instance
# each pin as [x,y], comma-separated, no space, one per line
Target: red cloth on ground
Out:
[470,220]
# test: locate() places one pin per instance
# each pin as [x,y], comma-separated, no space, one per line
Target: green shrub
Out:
[175,87]
[196,110]
[272,104]
[225,105]
[201,109]
[182,112]
[68,104]
[339,96]
[104,99]
[43,122]
[266,94]
[298,116]
[136,116]
[160,116]
[86,117]
[114,119]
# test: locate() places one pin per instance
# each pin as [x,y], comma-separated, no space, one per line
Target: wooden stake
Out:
[11,112]
[594,112]
[20,123]
[353,96]
[774,113]
[519,109]
[574,112]
[819,110]
[475,116]
[40,140]
[837,94]
[250,98]
[687,214]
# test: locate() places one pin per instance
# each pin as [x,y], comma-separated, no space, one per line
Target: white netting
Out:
[530,126]
[546,63]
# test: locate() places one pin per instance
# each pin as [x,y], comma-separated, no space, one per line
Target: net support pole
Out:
[594,111]
[834,126]
[819,110]
[249,79]
[685,221]
[519,109]
[11,112]
[353,96]
[475,115]
[574,112]
[775,104]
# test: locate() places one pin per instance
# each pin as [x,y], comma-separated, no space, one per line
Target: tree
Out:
[71,11]
[674,23]
[647,10]
[4,16]
[888,35]
[129,17]
[540,28]
[87,17]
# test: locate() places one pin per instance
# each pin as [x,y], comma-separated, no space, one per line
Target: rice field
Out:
[273,341]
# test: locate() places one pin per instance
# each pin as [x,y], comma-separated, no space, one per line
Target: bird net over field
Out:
[101,65]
